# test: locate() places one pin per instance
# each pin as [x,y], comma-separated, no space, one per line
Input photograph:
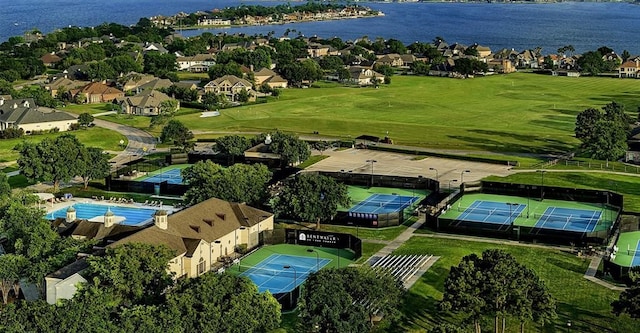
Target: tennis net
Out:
[568,218]
[284,272]
[631,251]
[495,211]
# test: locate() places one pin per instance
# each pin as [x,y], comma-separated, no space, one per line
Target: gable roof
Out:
[73,268]
[97,88]
[25,111]
[97,230]
[50,58]
[209,220]
[146,99]
[264,72]
[231,79]
[156,84]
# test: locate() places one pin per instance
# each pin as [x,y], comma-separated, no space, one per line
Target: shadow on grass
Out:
[566,265]
[531,144]
[581,320]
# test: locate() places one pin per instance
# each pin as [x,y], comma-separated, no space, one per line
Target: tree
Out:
[232,146]
[310,197]
[321,146]
[136,272]
[586,121]
[591,62]
[625,55]
[85,119]
[53,160]
[222,303]
[178,133]
[291,149]
[169,107]
[94,164]
[345,299]
[496,284]
[237,183]
[5,188]
[12,268]
[608,141]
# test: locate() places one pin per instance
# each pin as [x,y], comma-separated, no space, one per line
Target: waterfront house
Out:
[364,75]
[198,63]
[391,59]
[213,21]
[629,69]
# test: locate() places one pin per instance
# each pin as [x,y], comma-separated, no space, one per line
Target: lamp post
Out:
[541,183]
[371,161]
[568,325]
[436,170]
[317,258]
[295,282]
[511,204]
[450,181]
[462,175]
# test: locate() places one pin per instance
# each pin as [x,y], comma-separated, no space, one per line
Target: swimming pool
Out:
[132,215]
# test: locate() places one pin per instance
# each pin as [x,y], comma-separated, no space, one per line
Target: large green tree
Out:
[137,273]
[629,300]
[603,135]
[12,268]
[94,164]
[310,197]
[496,284]
[54,160]
[176,132]
[346,299]
[223,303]
[232,146]
[291,149]
[237,183]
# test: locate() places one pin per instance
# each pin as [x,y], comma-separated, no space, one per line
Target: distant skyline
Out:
[586,26]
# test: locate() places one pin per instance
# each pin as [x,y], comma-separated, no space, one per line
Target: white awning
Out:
[45,196]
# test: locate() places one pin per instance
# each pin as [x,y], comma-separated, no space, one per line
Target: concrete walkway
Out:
[139,141]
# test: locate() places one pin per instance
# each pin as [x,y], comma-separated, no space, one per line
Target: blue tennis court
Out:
[579,220]
[491,212]
[636,256]
[172,176]
[271,274]
[383,203]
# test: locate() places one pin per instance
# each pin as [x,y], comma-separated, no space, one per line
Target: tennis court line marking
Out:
[272,259]
[588,228]
[635,255]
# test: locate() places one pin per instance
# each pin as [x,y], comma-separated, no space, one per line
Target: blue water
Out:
[132,215]
[586,26]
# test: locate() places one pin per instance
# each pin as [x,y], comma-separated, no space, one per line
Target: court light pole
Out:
[542,172]
[462,175]
[317,258]
[436,170]
[451,181]
[295,281]
[372,161]
[568,325]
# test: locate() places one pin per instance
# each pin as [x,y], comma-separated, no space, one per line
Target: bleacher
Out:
[402,267]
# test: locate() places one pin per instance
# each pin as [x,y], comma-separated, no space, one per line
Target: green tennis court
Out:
[359,194]
[627,254]
[548,214]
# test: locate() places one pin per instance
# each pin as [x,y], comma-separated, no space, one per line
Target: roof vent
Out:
[208,221]
[195,228]
[221,215]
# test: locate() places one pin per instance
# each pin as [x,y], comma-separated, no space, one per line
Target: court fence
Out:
[384,219]
[629,222]
[608,199]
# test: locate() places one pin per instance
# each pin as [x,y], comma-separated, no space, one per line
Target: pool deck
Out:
[52,207]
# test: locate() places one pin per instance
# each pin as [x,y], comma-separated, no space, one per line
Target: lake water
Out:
[586,26]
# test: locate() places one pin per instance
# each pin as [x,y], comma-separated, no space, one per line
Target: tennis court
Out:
[547,214]
[628,245]
[491,212]
[383,203]
[281,273]
[580,220]
[171,175]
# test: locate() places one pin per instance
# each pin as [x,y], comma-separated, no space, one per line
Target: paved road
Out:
[140,142]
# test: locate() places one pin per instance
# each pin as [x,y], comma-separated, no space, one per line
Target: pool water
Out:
[132,215]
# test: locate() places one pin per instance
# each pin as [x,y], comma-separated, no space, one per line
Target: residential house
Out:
[407,60]
[483,51]
[240,45]
[204,20]
[230,86]
[612,56]
[204,234]
[391,59]
[364,75]
[147,103]
[96,92]
[629,69]
[76,72]
[62,84]
[501,65]
[155,84]
[198,63]
[269,77]
[316,50]
[50,59]
[154,47]
[527,59]
[63,283]
[25,114]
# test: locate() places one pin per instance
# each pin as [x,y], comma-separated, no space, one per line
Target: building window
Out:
[201,266]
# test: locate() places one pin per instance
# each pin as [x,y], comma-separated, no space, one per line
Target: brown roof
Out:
[50,58]
[97,230]
[97,88]
[209,220]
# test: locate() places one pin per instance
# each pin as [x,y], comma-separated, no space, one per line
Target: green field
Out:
[91,137]
[585,303]
[533,206]
[627,240]
[516,112]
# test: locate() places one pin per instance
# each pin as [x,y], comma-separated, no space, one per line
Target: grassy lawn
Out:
[386,234]
[586,304]
[536,113]
[188,76]
[629,186]
[92,137]
[88,108]
[311,161]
